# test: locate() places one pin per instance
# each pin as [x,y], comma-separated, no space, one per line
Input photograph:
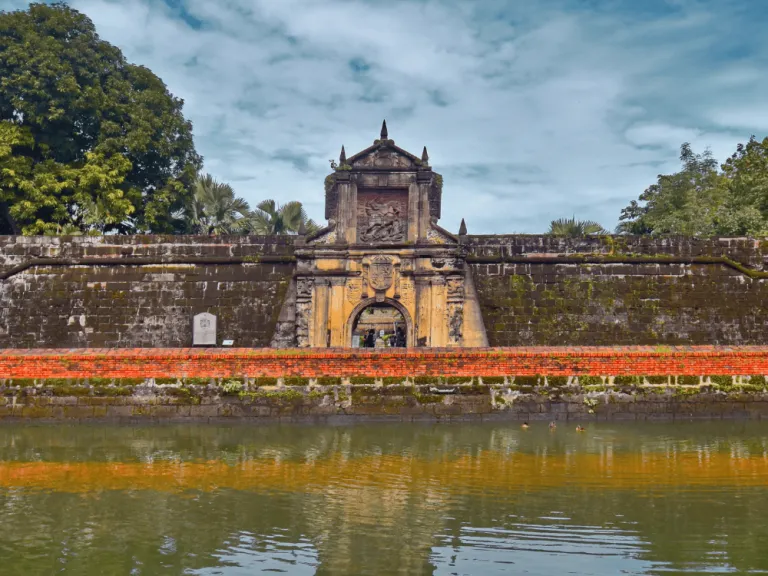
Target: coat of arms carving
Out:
[380,274]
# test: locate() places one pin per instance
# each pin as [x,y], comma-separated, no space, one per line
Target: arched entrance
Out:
[389,320]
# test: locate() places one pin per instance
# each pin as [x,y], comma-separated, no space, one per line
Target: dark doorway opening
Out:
[379,326]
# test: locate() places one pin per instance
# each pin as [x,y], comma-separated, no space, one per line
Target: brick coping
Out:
[549,351]
[528,361]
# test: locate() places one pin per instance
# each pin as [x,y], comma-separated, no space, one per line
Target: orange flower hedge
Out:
[524,361]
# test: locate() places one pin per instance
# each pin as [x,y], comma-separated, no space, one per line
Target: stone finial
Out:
[342,156]
[302,231]
[424,156]
[384,134]
[463,228]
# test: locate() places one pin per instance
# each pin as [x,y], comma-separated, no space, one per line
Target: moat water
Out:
[439,499]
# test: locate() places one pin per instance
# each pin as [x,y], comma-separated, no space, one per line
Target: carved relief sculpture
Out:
[354,290]
[406,291]
[304,287]
[381,219]
[380,275]
[455,285]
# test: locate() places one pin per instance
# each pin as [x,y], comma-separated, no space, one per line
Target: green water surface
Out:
[401,498]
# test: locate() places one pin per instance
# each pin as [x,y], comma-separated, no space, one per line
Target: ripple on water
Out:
[406,499]
[248,553]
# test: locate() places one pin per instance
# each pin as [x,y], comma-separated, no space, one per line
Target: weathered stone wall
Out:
[581,399]
[139,291]
[142,291]
[540,290]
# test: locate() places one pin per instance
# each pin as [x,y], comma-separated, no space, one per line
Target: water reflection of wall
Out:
[379,499]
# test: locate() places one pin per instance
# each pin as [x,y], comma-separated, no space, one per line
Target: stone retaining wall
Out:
[522,399]
[514,383]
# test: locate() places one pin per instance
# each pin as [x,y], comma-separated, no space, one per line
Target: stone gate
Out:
[382,246]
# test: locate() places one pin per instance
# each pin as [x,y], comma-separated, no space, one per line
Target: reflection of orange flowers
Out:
[488,470]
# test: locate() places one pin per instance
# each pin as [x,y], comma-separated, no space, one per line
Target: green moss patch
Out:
[264,381]
[529,381]
[328,381]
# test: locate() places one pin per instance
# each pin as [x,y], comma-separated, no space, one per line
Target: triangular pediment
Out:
[382,156]
[438,235]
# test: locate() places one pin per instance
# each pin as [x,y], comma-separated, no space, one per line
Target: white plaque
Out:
[204,330]
[228,343]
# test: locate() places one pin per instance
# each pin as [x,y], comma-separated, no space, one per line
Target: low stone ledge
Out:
[745,398]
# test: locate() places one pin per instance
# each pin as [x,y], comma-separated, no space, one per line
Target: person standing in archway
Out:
[400,338]
[370,338]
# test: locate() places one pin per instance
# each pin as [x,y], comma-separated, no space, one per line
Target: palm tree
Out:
[215,209]
[573,228]
[271,218]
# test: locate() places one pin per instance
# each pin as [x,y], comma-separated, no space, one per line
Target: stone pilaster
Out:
[304,289]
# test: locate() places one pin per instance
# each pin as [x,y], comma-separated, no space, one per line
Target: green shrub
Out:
[264,381]
[231,387]
[492,379]
[722,380]
[328,381]
[295,381]
[23,382]
[557,381]
[457,379]
[688,380]
[526,380]
[57,382]
[627,380]
[100,381]
[426,380]
[590,380]
[362,380]
[389,380]
[130,381]
[197,381]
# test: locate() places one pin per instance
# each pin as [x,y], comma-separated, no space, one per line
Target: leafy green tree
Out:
[745,173]
[573,228]
[271,218]
[79,126]
[687,202]
[214,209]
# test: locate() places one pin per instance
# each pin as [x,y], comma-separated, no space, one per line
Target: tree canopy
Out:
[87,140]
[573,228]
[272,218]
[703,199]
[214,209]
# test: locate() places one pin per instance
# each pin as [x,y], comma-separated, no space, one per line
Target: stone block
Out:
[119,411]
[36,412]
[77,412]
[204,411]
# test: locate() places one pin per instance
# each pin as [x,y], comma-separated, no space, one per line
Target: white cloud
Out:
[544,113]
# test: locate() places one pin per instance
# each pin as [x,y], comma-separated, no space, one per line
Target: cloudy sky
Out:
[532,110]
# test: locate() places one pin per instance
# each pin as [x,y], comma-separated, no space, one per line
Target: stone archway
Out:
[372,302]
